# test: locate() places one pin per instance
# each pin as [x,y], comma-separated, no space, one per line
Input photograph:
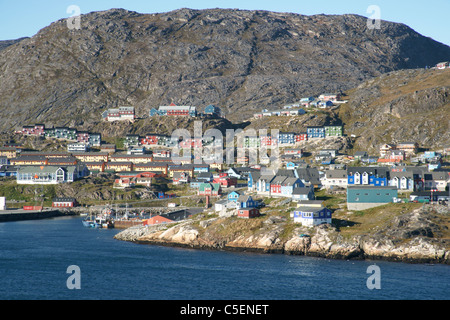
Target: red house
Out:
[82,136]
[36,130]
[303,136]
[191,143]
[156,220]
[275,185]
[226,181]
[268,141]
[150,139]
[64,203]
[248,213]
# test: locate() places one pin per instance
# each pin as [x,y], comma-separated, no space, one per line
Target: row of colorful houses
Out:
[290,138]
[65,133]
[185,111]
[406,178]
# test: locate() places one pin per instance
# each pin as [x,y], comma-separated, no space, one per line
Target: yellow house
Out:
[9,152]
[135,158]
[95,166]
[119,166]
[155,167]
[182,168]
[217,166]
[91,156]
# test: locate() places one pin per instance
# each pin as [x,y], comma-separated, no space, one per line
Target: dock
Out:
[21,215]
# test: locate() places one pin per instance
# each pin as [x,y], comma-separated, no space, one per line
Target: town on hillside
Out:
[400,172]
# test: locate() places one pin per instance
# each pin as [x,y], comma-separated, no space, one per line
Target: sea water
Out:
[37,260]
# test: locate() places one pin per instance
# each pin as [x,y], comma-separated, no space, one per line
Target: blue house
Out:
[303,193]
[212,110]
[375,176]
[252,179]
[365,197]
[325,104]
[8,171]
[195,184]
[292,165]
[315,132]
[289,185]
[312,216]
[245,202]
[286,137]
[153,112]
[201,167]
[233,196]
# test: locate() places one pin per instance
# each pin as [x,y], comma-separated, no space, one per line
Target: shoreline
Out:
[362,257]
[359,256]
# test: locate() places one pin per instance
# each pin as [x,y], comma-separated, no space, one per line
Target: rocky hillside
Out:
[239,60]
[407,105]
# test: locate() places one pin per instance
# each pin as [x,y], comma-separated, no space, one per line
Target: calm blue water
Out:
[34,256]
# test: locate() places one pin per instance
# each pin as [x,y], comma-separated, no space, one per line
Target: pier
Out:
[21,215]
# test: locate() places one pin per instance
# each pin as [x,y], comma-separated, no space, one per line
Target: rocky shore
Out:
[412,237]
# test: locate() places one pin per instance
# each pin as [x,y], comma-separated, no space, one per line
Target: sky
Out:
[431,18]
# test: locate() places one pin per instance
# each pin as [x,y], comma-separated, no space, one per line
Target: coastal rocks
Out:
[417,250]
[268,241]
[324,243]
[325,240]
[132,234]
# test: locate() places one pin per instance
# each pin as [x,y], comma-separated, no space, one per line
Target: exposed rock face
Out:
[325,241]
[239,60]
[406,105]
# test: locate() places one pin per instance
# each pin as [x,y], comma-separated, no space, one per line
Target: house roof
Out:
[213,186]
[290,181]
[336,174]
[64,199]
[301,190]
[278,180]
[310,209]
[45,169]
[381,172]
[244,198]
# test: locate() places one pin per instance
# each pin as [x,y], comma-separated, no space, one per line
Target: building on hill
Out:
[376,176]
[248,213]
[315,132]
[174,110]
[209,189]
[50,174]
[36,130]
[312,216]
[365,197]
[212,111]
[333,131]
[119,114]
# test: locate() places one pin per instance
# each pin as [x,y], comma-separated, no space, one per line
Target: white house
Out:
[335,178]
[2,203]
[50,174]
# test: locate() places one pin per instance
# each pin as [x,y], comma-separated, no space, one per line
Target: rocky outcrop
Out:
[323,241]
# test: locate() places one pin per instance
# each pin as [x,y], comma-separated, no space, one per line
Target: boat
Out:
[103,220]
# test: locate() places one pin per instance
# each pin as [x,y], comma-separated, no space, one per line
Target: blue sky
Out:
[430,18]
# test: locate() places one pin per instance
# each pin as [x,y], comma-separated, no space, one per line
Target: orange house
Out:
[156,220]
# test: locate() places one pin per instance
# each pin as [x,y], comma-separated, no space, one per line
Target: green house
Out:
[131,140]
[365,197]
[333,131]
